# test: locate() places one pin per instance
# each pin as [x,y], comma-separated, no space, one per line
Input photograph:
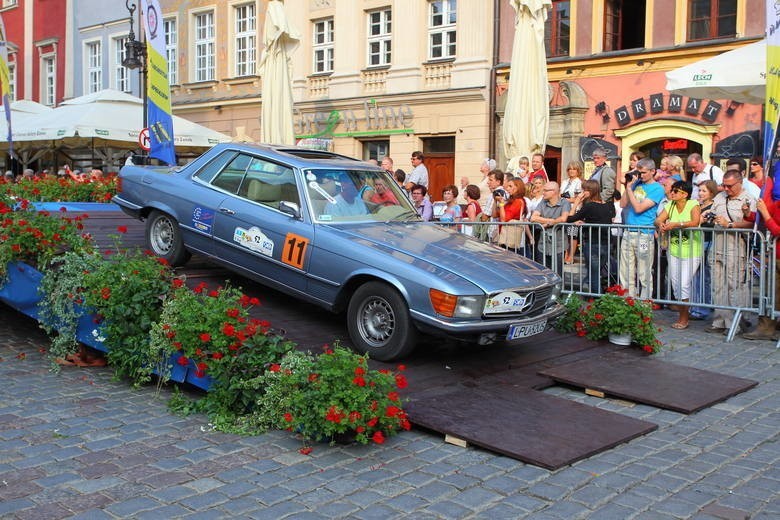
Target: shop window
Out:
[376,150]
[380,25]
[323,46]
[171,41]
[624,24]
[711,19]
[205,42]
[442,36]
[439,145]
[557,29]
[244,39]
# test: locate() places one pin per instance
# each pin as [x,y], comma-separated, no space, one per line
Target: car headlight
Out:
[453,306]
[556,292]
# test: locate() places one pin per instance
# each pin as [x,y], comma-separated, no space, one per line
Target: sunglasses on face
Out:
[754,164]
[678,190]
[729,186]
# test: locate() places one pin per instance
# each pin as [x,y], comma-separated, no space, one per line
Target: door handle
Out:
[227,211]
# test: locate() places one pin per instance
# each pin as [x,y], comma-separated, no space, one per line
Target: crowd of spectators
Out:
[675,229]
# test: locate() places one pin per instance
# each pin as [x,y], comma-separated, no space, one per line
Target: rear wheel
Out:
[379,323]
[163,238]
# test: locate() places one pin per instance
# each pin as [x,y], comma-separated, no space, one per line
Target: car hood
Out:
[489,267]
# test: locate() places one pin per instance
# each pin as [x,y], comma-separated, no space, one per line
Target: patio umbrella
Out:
[277,111]
[527,114]
[739,74]
[107,115]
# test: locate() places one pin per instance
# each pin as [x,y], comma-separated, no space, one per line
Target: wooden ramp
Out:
[488,395]
[524,424]
[650,381]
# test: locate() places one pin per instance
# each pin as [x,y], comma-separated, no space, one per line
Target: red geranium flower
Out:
[400,381]
[275,367]
[359,371]
[205,337]
[288,417]
[378,437]
[183,361]
[122,229]
[358,380]
[305,450]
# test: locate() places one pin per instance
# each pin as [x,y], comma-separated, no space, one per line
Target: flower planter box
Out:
[20,290]
[204,383]
[178,371]
[90,333]
[81,207]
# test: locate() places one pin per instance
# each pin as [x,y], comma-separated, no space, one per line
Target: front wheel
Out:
[163,238]
[379,323]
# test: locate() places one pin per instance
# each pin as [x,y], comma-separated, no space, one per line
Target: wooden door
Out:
[441,172]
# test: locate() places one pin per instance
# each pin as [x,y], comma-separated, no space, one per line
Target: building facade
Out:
[38,43]
[370,77]
[607,61]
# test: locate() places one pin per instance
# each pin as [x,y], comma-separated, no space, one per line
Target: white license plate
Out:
[524,331]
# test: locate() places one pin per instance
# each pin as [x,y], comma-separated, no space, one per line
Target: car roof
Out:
[299,157]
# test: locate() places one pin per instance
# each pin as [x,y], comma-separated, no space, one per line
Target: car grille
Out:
[541,300]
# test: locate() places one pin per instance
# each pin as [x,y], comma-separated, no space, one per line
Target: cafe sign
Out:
[641,107]
[373,118]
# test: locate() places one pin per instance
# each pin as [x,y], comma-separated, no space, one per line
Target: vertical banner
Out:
[772,103]
[158,89]
[5,84]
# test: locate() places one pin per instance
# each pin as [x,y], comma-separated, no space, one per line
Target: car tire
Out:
[163,238]
[379,323]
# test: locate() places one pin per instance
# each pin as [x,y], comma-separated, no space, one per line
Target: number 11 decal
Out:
[294,250]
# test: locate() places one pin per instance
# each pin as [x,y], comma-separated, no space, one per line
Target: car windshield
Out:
[357,195]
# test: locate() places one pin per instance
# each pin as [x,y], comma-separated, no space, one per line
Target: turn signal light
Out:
[443,303]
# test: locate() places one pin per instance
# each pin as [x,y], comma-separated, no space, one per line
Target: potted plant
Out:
[61,311]
[331,394]
[614,314]
[210,334]
[63,189]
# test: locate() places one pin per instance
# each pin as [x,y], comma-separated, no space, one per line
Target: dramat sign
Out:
[143,140]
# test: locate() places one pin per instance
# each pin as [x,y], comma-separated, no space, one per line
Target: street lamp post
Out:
[135,55]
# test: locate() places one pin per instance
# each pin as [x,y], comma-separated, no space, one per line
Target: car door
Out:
[251,233]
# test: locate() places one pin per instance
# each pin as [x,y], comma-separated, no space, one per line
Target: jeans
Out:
[702,284]
[594,260]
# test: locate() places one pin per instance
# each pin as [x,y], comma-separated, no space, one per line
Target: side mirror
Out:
[291,208]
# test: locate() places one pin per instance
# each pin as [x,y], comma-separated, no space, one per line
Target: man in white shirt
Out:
[703,172]
[419,174]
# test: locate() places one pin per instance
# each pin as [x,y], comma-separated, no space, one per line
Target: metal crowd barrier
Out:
[724,272]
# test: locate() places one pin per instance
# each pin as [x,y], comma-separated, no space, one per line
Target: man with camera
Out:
[730,269]
[604,175]
[637,249]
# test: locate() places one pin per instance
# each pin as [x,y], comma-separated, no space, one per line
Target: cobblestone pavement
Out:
[81,445]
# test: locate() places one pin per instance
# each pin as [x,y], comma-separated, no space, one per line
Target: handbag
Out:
[511,236]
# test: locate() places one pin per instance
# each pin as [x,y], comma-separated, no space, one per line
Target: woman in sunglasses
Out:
[756,175]
[685,247]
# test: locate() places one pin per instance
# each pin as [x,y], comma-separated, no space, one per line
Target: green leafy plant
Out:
[127,291]
[62,302]
[573,305]
[37,237]
[323,396]
[616,313]
[213,334]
